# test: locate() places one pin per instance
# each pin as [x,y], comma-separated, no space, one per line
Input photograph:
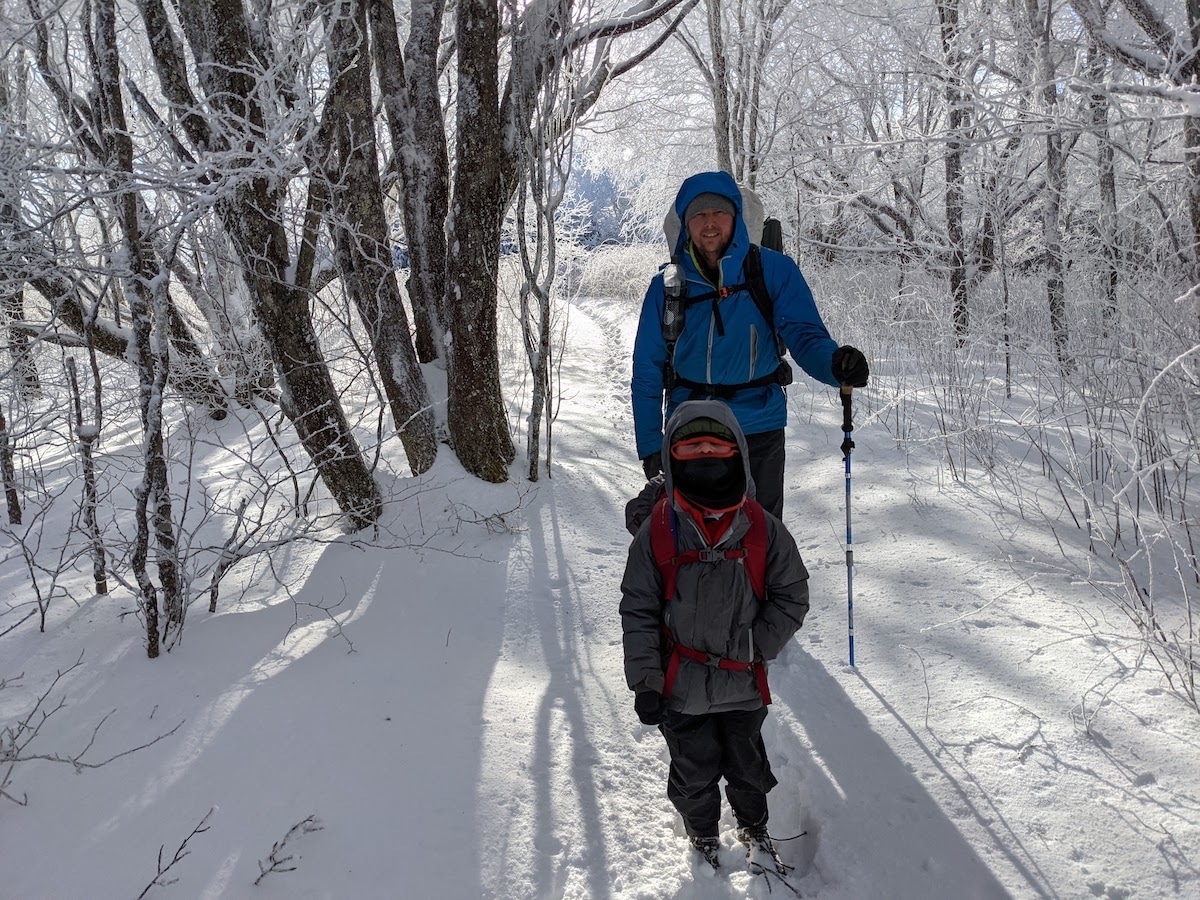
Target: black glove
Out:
[652,464]
[850,366]
[651,707]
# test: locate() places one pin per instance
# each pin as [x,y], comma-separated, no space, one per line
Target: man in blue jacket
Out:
[727,349]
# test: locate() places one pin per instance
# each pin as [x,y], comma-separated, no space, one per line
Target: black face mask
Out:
[710,481]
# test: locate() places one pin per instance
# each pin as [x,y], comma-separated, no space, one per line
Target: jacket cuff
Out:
[655,681]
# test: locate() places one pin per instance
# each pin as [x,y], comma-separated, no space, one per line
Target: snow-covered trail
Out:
[573,798]
[448,699]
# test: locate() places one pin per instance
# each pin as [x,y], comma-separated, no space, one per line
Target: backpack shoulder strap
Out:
[755,544]
[664,544]
[756,284]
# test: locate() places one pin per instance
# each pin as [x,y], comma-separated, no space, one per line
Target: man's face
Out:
[711,231]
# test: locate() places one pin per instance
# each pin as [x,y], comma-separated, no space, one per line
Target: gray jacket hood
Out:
[690,410]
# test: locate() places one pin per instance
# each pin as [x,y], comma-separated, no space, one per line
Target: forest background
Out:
[333,220]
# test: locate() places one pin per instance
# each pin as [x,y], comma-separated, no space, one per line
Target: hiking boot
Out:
[709,848]
[760,849]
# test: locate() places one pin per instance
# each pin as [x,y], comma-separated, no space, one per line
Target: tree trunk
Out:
[409,88]
[475,413]
[87,435]
[25,372]
[362,246]
[252,215]
[8,474]
[1191,153]
[1191,137]
[146,293]
[1107,220]
[12,297]
[1040,20]
[957,116]
[720,87]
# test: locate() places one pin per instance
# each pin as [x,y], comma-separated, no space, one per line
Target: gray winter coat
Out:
[714,609]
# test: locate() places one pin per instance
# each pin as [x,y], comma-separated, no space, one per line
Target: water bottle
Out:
[675,300]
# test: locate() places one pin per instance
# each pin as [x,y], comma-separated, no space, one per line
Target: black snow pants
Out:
[767,452]
[705,749]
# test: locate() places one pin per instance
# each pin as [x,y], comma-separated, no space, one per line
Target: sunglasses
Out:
[693,448]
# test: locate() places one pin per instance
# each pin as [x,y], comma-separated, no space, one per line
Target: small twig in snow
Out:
[180,853]
[276,863]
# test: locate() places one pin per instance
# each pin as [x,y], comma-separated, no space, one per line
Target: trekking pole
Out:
[847,447]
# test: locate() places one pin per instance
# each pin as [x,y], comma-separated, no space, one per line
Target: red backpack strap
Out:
[755,544]
[663,544]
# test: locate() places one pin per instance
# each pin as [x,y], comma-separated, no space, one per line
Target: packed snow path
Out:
[935,768]
[574,798]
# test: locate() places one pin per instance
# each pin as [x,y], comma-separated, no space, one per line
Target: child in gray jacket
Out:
[714,588]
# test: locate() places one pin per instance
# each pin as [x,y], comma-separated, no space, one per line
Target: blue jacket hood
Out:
[713,183]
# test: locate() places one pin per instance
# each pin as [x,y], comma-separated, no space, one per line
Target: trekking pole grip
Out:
[847,420]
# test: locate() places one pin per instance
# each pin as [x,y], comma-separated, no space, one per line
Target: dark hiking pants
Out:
[705,749]
[766,468]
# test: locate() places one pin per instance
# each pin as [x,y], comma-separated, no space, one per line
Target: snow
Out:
[449,718]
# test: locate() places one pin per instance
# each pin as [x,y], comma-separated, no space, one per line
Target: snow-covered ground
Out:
[449,720]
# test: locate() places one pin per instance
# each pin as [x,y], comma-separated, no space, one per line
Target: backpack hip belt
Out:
[703,390]
[678,650]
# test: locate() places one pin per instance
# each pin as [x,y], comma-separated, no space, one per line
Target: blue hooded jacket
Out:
[746,351]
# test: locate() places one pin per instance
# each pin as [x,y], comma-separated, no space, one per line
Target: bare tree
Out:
[545,167]
[1173,57]
[87,434]
[8,474]
[146,291]
[490,100]
[475,412]
[411,96]
[741,38]
[955,59]
[1036,24]
[718,78]
[236,140]
[361,234]
[13,97]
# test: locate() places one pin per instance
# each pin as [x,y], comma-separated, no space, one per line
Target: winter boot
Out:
[709,848]
[760,849]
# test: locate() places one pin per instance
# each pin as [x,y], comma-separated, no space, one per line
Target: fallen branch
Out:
[16,738]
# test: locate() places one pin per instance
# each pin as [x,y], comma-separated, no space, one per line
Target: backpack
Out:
[664,542]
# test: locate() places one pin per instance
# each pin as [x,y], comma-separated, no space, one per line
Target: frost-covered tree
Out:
[146,291]
[234,121]
[361,240]
[1160,41]
[474,166]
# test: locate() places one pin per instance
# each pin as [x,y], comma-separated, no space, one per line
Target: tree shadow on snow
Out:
[872,828]
[543,843]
